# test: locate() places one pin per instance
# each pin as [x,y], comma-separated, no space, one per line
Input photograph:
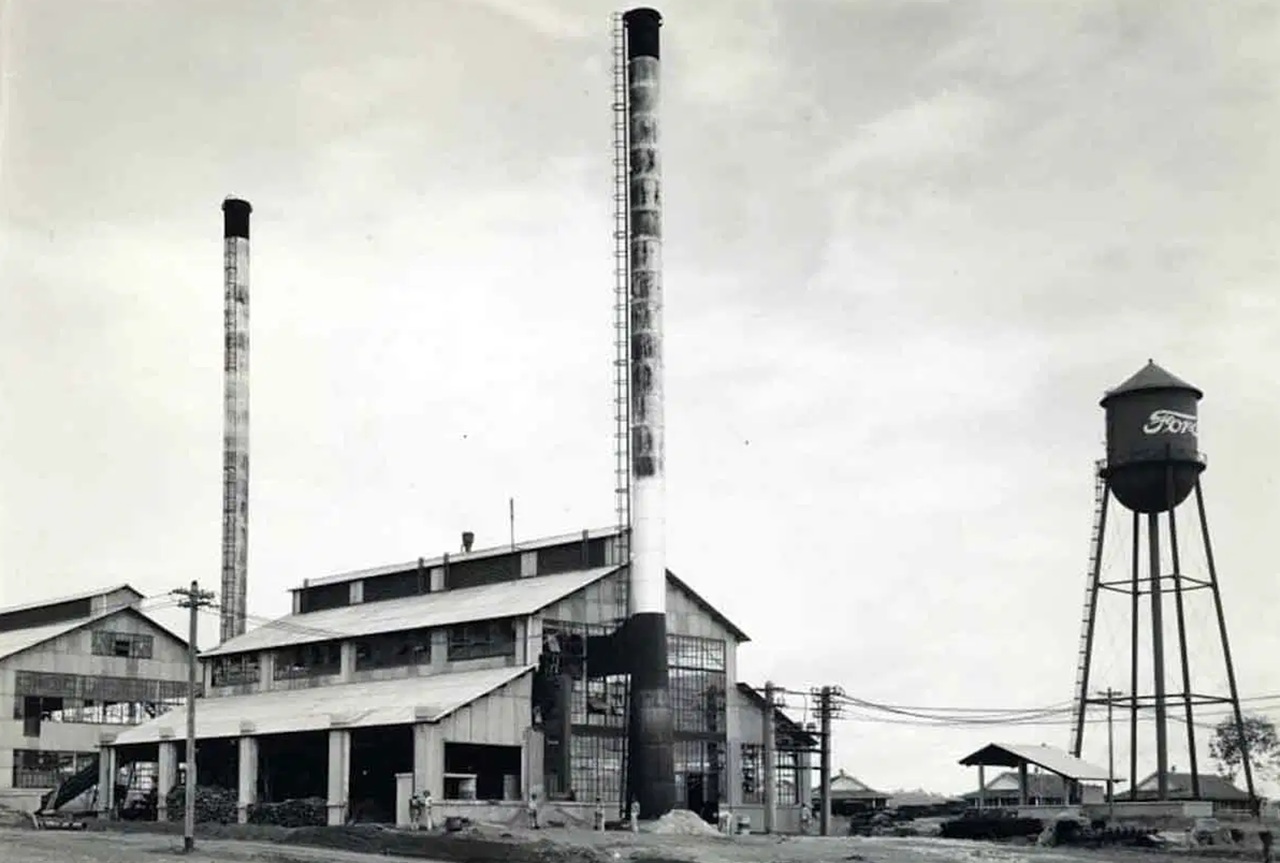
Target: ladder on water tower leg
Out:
[1089,617]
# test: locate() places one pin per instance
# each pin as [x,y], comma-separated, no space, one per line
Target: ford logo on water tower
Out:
[1153,453]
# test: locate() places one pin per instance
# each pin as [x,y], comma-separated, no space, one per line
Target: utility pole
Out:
[827,709]
[770,758]
[1111,750]
[192,598]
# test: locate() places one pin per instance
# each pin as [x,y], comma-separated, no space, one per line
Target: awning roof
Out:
[350,705]
[1051,759]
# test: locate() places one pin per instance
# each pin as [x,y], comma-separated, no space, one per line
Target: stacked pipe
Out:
[235,430]
[651,743]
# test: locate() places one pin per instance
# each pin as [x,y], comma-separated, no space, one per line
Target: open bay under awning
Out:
[428,698]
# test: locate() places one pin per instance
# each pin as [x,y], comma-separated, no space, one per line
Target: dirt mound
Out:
[682,822]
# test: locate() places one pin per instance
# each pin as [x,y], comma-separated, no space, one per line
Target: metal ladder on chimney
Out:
[1089,616]
[621,352]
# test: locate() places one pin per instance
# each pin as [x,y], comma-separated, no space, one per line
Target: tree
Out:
[1260,740]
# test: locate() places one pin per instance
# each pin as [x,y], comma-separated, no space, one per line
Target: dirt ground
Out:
[29,846]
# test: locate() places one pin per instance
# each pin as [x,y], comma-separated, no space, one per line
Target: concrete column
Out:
[982,787]
[347,669]
[533,776]
[339,775]
[247,786]
[1022,784]
[428,760]
[166,778]
[106,781]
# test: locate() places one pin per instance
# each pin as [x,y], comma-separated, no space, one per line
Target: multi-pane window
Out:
[696,682]
[787,777]
[393,650]
[35,768]
[691,651]
[595,762]
[482,640]
[236,669]
[317,659]
[751,769]
[600,701]
[50,697]
[127,645]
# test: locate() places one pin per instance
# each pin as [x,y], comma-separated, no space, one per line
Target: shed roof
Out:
[518,598]
[1050,758]
[801,736]
[351,705]
[16,641]
[1151,377]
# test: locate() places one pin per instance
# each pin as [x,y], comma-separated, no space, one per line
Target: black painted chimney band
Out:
[642,32]
[235,218]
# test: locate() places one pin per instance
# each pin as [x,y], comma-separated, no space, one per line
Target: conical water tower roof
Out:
[1151,377]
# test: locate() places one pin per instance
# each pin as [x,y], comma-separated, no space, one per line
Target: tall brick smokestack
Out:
[235,427]
[651,740]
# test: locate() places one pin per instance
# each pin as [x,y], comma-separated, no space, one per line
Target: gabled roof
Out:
[707,607]
[847,787]
[1211,787]
[1151,377]
[1051,759]
[19,640]
[428,698]
[58,600]
[920,798]
[516,598]
[519,598]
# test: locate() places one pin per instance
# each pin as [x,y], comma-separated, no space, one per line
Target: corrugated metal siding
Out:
[500,718]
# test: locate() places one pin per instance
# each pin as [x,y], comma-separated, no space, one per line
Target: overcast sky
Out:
[909,244]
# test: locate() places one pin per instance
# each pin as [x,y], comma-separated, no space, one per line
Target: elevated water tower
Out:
[1153,465]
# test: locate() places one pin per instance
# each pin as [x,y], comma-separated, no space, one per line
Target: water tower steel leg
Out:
[1182,636]
[1136,589]
[1226,644]
[1095,586]
[1157,657]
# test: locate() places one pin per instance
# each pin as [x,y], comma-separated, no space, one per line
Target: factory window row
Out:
[34,710]
[36,768]
[394,650]
[57,684]
[787,775]
[317,659]
[458,574]
[490,638]
[127,645]
[236,670]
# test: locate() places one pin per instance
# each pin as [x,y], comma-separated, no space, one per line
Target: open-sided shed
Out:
[1019,756]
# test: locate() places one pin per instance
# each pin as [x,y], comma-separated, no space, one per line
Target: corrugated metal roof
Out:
[350,705]
[459,557]
[18,640]
[518,598]
[1048,757]
[1212,787]
[57,600]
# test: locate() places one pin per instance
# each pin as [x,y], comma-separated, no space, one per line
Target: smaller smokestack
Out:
[467,539]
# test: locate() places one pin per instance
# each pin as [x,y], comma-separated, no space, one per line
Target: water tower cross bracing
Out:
[1153,465]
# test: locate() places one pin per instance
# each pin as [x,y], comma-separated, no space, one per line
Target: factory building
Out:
[71,669]
[484,678]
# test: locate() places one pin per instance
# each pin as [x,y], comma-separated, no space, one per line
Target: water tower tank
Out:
[1151,434]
